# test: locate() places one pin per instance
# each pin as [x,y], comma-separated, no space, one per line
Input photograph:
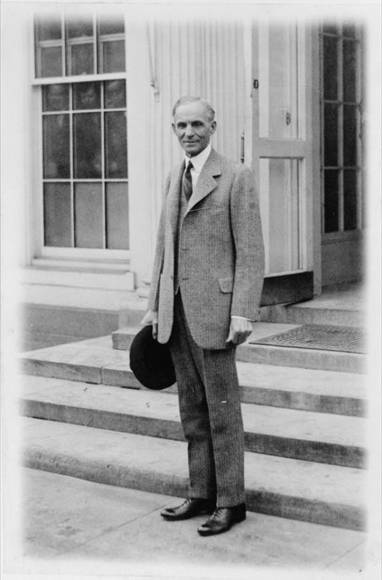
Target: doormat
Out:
[321,337]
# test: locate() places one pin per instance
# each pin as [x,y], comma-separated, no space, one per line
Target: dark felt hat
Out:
[151,361]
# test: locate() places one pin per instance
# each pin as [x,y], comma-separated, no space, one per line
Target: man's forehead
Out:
[192,111]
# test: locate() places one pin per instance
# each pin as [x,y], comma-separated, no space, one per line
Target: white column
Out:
[142,179]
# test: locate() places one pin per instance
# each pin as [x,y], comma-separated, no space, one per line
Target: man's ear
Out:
[173,127]
[213,127]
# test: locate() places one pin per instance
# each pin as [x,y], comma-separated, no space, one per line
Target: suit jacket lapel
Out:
[173,198]
[206,182]
[205,185]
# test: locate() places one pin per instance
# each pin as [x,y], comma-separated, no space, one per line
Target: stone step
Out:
[67,321]
[343,305]
[274,355]
[283,432]
[301,490]
[305,313]
[95,361]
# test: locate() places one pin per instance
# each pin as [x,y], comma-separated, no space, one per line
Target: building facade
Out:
[88,124]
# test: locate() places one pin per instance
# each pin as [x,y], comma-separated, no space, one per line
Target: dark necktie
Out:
[187,181]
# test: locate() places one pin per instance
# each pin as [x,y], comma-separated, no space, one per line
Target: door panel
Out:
[278,90]
[280,210]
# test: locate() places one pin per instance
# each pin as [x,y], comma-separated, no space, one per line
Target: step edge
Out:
[345,455]
[258,500]
[250,394]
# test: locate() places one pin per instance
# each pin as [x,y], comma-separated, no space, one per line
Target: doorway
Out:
[282,159]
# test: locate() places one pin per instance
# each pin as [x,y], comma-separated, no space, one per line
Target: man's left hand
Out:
[239,331]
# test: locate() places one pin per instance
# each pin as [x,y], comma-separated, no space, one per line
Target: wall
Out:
[342,260]
[16,129]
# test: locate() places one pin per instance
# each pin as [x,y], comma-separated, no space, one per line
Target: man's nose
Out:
[189,129]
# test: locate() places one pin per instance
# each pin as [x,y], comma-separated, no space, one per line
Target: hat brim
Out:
[151,361]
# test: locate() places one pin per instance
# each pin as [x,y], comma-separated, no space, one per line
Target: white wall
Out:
[16,129]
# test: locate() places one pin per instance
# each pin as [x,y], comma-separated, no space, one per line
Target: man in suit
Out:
[206,287]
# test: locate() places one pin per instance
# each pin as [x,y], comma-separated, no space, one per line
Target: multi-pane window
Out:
[341,127]
[85,165]
[84,133]
[79,45]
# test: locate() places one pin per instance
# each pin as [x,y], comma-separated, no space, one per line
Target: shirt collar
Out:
[199,160]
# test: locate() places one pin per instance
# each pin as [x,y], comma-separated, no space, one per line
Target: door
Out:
[281,159]
[342,157]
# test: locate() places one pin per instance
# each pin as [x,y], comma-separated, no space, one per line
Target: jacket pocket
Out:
[226,284]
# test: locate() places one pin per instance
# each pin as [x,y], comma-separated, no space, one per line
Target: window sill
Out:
[79,274]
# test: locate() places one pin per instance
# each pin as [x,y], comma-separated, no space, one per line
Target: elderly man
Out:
[205,291]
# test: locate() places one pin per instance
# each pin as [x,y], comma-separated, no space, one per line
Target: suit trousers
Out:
[210,411]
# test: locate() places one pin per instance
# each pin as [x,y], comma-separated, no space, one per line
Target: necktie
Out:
[187,181]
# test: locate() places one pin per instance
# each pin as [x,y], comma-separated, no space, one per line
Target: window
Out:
[84,133]
[341,127]
[79,45]
[85,165]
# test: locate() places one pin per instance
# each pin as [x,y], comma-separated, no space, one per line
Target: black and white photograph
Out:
[190,290]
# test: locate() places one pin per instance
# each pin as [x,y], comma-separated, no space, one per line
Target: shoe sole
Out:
[207,532]
[169,518]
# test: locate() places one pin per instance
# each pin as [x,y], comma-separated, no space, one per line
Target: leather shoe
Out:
[190,508]
[222,520]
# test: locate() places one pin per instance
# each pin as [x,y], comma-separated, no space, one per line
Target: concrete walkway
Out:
[79,527]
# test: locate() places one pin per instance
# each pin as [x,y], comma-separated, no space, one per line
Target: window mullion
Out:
[359,128]
[71,154]
[340,134]
[95,44]
[103,162]
[63,46]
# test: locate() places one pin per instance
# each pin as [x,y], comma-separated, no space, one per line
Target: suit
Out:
[208,267]
[221,255]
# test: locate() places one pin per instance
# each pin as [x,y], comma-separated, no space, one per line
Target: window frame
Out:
[87,255]
[340,102]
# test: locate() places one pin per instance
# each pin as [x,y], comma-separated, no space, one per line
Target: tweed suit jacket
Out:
[221,253]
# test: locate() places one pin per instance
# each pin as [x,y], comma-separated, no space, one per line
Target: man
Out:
[206,288]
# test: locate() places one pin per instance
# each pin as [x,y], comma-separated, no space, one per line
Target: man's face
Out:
[193,127]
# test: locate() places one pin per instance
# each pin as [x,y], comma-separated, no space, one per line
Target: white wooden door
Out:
[281,158]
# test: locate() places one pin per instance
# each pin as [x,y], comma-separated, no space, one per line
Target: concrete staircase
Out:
[85,415]
[255,352]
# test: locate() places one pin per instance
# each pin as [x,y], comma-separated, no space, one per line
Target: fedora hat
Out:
[151,361]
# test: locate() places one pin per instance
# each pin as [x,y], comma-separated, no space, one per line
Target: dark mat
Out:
[321,337]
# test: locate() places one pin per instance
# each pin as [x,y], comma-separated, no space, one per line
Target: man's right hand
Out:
[151,317]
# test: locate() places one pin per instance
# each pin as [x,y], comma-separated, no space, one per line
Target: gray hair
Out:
[186,100]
